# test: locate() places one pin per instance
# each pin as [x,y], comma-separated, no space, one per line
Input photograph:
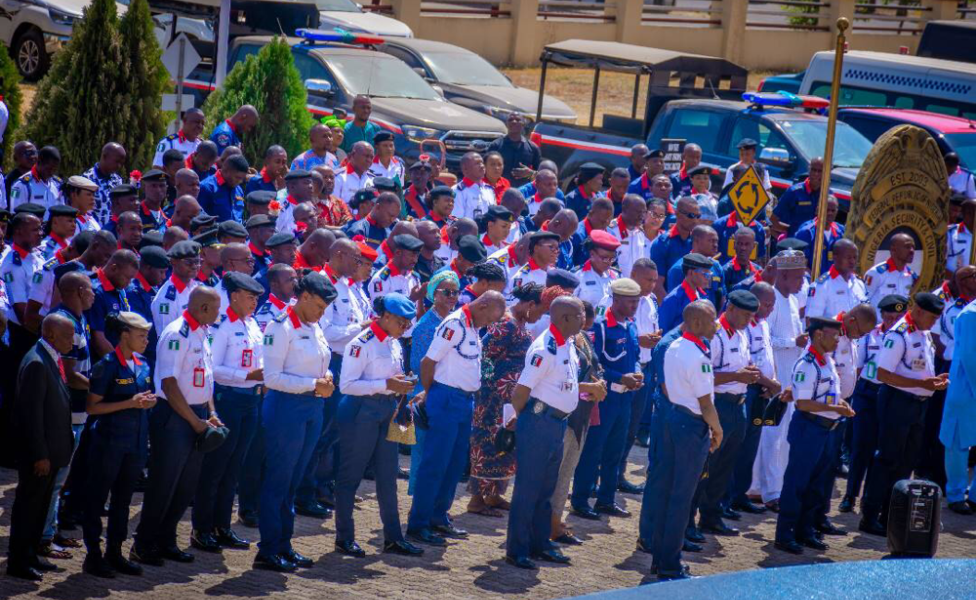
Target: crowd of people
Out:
[209,331]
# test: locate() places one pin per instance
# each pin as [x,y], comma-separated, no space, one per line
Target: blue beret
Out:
[400,305]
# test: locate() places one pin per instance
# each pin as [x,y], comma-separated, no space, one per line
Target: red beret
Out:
[367,252]
[603,239]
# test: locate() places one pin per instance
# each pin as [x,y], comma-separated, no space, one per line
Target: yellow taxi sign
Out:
[748,196]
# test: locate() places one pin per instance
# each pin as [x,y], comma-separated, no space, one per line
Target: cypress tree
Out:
[146,79]
[13,98]
[270,82]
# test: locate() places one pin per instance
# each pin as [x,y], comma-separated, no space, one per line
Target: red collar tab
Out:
[645,181]
[23,253]
[692,294]
[179,285]
[35,175]
[537,198]
[891,265]
[911,322]
[330,273]
[582,192]
[683,172]
[467,315]
[946,291]
[62,243]
[544,226]
[231,314]
[533,265]
[181,136]
[220,178]
[511,254]
[843,328]
[193,323]
[394,271]
[301,263]
[143,282]
[276,302]
[188,163]
[106,284]
[673,232]
[377,331]
[264,175]
[806,186]
[468,182]
[231,125]
[295,321]
[385,249]
[611,318]
[453,268]
[587,266]
[724,322]
[371,220]
[118,354]
[560,340]
[820,358]
[201,277]
[834,273]
[695,340]
[732,220]
[415,203]
[587,226]
[349,169]
[291,200]
[258,253]
[961,228]
[60,256]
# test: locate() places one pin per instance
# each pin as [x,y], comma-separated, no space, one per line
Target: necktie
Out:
[64,377]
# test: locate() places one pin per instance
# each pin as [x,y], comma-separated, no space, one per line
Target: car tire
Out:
[30,55]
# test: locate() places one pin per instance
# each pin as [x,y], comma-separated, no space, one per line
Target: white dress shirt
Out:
[945,326]
[29,188]
[784,327]
[370,359]
[959,240]
[395,170]
[646,320]
[295,354]
[171,300]
[472,199]
[390,279]
[348,183]
[867,356]
[456,349]
[832,294]
[237,350]
[761,348]
[688,373]
[730,352]
[845,363]
[815,378]
[884,279]
[17,269]
[909,352]
[593,286]
[552,371]
[183,353]
[343,318]
[269,310]
[633,245]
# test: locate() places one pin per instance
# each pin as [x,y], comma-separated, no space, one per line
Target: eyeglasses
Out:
[449,293]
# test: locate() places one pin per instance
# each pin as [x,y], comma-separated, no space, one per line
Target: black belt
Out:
[733,398]
[684,409]
[256,390]
[901,392]
[539,407]
[828,424]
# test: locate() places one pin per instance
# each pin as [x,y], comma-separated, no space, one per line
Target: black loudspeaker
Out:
[914,518]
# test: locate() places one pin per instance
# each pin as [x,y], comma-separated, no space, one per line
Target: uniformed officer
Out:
[153,266]
[728,228]
[372,381]
[356,175]
[615,341]
[259,230]
[470,252]
[669,247]
[472,195]
[740,268]
[906,370]
[798,204]
[120,396]
[40,185]
[547,392]
[815,385]
[259,203]
[498,224]
[274,167]
[17,269]
[543,251]
[958,419]
[589,185]
[385,163]
[628,228]
[691,428]
[833,231]
[959,237]
[450,374]
[60,228]
[210,256]
[297,377]
[42,283]
[895,275]
[298,189]
[378,224]
[110,286]
[280,280]
[839,289]
[220,194]
[747,158]
[697,275]
[185,140]
[596,274]
[184,386]
[230,131]
[79,192]
[643,185]
[172,297]
[704,241]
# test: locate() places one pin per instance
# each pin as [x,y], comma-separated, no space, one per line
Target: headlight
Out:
[418,134]
[498,113]
[61,18]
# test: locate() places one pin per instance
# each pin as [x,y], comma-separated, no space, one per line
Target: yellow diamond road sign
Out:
[748,196]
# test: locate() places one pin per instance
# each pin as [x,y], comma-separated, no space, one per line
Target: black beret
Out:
[184,249]
[384,183]
[211,438]
[261,197]
[232,228]
[497,212]
[699,170]
[589,170]
[238,163]
[260,221]
[407,242]
[318,284]
[472,249]
[280,239]
[893,303]
[234,281]
[207,238]
[297,174]
[818,323]
[153,175]
[696,261]
[562,278]
[382,136]
[421,164]
[154,256]
[441,190]
[63,210]
[746,143]
[744,300]
[655,153]
[538,236]
[123,189]
[31,208]
[151,238]
[791,244]
[202,220]
[364,195]
[929,302]
[5,215]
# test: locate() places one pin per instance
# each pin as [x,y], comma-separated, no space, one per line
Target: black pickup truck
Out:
[697,99]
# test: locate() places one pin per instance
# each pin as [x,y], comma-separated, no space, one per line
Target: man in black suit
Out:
[42,426]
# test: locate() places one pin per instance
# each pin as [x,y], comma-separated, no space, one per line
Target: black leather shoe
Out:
[204,541]
[26,573]
[402,547]
[829,528]
[450,531]
[552,556]
[791,547]
[176,555]
[684,574]
[846,504]
[873,527]
[568,539]
[299,560]
[426,536]
[719,528]
[121,565]
[228,539]
[403,474]
[146,556]
[842,471]
[350,548]
[43,565]
[643,439]
[961,508]
[630,488]
[749,507]
[730,514]
[97,566]
[812,542]
[611,509]
[687,546]
[248,519]
[521,562]
[644,546]
[273,563]
[586,513]
[692,534]
[314,510]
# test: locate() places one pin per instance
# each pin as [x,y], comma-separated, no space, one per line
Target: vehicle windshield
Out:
[337,5]
[964,144]
[379,76]
[810,137]
[464,68]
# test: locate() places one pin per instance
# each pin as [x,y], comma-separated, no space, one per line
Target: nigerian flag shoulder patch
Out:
[706,368]
[269,340]
[173,345]
[889,343]
[800,376]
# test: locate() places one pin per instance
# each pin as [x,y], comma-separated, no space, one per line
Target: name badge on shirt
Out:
[247,357]
[918,364]
[831,399]
[198,377]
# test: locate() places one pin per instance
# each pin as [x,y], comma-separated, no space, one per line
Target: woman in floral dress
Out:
[503,358]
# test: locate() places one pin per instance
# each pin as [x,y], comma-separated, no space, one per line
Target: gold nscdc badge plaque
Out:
[902,187]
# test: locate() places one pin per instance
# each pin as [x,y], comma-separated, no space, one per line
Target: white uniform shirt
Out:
[456,349]
[506,260]
[370,359]
[269,310]
[633,245]
[784,327]
[945,326]
[593,286]
[552,371]
[909,352]
[761,348]
[183,352]
[389,279]
[17,270]
[883,279]
[472,199]
[832,294]
[728,177]
[962,182]
[170,301]
[688,373]
[29,188]
[285,221]
[646,319]
[395,170]
[342,320]
[42,285]
[530,272]
[348,183]
[815,378]
[491,248]
[845,363]
[730,352]
[174,141]
[295,354]
[86,223]
[959,240]
[867,355]
[237,349]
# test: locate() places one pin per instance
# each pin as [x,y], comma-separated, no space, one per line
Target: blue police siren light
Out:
[767,99]
[337,35]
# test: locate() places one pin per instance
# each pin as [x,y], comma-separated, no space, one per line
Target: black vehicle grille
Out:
[459,142]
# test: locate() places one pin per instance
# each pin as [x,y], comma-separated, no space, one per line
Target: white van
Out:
[896,80]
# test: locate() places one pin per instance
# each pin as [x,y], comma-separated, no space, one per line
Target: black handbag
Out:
[420,419]
[757,404]
[504,441]
[773,415]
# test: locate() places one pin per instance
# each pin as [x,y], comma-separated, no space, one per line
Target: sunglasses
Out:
[692,215]
[449,293]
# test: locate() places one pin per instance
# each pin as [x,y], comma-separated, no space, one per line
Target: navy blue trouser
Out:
[321,471]
[649,500]
[732,417]
[214,501]
[252,471]
[741,478]
[292,426]
[363,422]
[639,409]
[111,469]
[683,451]
[445,454]
[602,451]
[810,464]
[834,444]
[538,454]
[865,426]
[174,470]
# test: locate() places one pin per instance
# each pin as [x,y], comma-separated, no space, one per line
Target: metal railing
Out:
[682,15]
[890,16]
[807,15]
[469,8]
[571,10]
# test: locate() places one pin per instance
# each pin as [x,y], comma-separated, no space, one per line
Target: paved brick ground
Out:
[468,569]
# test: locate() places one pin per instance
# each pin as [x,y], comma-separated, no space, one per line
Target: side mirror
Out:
[438,89]
[319,87]
[776,156]
[420,71]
